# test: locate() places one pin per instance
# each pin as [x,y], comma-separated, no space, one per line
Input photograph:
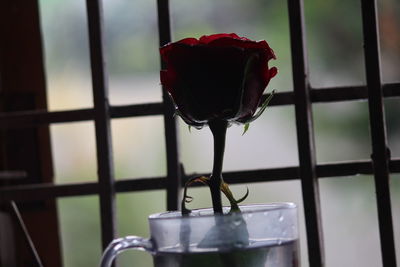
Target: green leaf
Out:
[246,128]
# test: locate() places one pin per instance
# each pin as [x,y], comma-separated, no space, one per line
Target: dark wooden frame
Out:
[303,97]
[25,153]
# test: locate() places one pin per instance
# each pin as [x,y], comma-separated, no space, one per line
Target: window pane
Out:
[392,109]
[74,152]
[389,27]
[66,51]
[80,231]
[395,194]
[334,39]
[133,62]
[132,212]
[139,147]
[350,222]
[342,131]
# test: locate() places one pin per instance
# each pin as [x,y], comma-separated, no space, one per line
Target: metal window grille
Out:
[303,97]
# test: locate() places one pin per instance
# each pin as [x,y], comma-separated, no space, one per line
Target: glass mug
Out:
[260,235]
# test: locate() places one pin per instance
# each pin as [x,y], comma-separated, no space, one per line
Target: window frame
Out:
[381,165]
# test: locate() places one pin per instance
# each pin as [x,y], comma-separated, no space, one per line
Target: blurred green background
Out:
[334,39]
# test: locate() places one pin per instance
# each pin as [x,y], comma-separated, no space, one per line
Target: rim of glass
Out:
[257,208]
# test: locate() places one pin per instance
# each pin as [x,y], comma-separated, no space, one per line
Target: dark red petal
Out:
[269,74]
[205,39]
[188,41]
[245,44]
[239,43]
[165,51]
[256,84]
[226,41]
[251,98]
[209,80]
[168,80]
[223,54]
[272,72]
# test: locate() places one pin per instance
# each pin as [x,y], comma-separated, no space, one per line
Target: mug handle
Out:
[122,244]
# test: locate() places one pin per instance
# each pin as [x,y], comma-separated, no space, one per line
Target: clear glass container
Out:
[258,236]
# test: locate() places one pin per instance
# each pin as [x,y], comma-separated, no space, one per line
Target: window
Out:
[311,93]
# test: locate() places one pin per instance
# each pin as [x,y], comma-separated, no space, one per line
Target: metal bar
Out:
[102,121]
[336,94]
[32,118]
[12,175]
[170,124]
[17,216]
[344,169]
[318,95]
[305,135]
[349,93]
[380,152]
[129,185]
[147,109]
[46,191]
[327,170]
[391,89]
[279,99]
[394,166]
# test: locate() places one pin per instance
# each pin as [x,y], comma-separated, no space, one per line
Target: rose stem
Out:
[218,129]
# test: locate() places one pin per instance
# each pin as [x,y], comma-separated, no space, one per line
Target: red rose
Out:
[220,76]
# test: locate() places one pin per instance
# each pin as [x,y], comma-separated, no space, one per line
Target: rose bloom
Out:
[216,77]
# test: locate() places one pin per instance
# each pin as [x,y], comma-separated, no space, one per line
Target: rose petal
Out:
[189,41]
[165,51]
[263,46]
[205,39]
[205,77]
[272,72]
[168,79]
